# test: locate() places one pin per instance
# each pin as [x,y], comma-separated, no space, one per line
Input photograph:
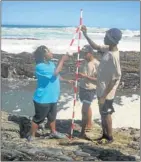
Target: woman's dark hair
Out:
[39,54]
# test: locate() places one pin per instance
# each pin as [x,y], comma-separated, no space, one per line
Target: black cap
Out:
[87,49]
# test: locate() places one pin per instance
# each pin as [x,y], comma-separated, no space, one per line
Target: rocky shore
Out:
[22,66]
[14,147]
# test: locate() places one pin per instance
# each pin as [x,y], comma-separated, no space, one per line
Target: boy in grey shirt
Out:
[87,89]
[108,78]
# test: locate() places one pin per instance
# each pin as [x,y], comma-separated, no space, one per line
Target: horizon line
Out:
[35,25]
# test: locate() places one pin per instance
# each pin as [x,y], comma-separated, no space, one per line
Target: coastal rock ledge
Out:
[21,66]
[14,148]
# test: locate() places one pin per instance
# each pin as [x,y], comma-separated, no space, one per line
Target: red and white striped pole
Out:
[74,36]
[72,41]
[76,76]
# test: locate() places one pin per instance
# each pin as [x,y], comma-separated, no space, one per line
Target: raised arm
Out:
[92,44]
[60,64]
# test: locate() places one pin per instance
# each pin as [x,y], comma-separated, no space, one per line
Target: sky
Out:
[120,14]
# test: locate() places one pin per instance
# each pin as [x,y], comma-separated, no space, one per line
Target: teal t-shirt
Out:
[48,85]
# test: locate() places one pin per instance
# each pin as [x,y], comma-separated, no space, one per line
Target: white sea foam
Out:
[17,110]
[59,46]
[58,39]
[127,113]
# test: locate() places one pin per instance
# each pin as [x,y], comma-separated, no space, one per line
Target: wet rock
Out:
[78,158]
[52,152]
[4,70]
[13,155]
[113,155]
[90,159]
[79,153]
[135,131]
[25,126]
[50,159]
[65,158]
[134,145]
[94,153]
[33,151]
[136,138]
[67,152]
[15,148]
[7,135]
[22,66]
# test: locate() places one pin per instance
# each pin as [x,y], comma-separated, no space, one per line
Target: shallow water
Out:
[17,95]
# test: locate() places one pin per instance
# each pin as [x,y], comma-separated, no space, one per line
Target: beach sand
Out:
[127,112]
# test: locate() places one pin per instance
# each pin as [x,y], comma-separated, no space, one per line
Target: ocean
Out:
[18,38]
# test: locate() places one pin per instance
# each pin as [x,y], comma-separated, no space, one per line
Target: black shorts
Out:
[44,110]
[86,95]
[107,107]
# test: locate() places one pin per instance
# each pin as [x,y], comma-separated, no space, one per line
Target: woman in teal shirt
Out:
[47,92]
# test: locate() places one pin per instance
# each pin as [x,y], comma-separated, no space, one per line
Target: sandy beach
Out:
[127,113]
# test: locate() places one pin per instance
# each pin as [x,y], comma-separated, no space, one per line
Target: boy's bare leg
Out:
[86,117]
[34,128]
[89,121]
[53,126]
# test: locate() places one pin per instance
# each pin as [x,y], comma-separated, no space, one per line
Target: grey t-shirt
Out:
[90,69]
[108,70]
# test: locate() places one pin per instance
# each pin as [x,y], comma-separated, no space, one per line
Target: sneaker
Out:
[100,138]
[106,140]
[30,138]
[57,135]
[110,139]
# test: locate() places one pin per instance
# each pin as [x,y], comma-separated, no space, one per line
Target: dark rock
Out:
[14,148]
[135,132]
[13,155]
[113,155]
[50,159]
[90,159]
[134,145]
[79,153]
[14,118]
[33,151]
[22,66]
[136,138]
[52,152]
[78,158]
[4,70]
[65,158]
[25,126]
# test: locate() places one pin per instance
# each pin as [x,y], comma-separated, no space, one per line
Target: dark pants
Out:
[86,95]
[106,108]
[44,110]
